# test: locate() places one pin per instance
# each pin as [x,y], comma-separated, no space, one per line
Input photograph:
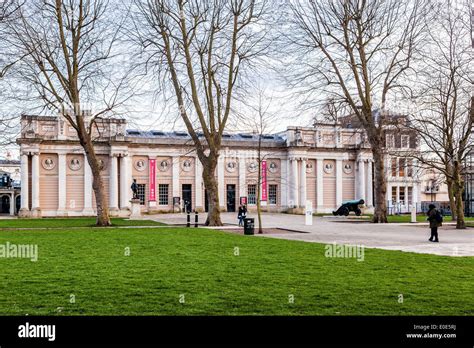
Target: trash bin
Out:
[249,226]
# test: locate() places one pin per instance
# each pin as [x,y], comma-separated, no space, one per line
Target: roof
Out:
[135,133]
[11,162]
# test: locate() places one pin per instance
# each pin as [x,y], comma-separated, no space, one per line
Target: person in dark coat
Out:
[240,215]
[434,223]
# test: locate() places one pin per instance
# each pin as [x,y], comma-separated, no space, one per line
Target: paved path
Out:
[405,237]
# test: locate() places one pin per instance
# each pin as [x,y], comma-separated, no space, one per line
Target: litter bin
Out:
[249,226]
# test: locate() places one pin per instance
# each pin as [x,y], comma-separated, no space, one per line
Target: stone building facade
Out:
[325,164]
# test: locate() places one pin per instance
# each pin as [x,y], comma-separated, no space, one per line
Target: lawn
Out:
[70,222]
[199,266]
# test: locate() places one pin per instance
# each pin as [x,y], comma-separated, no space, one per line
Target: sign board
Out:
[243,200]
[264,181]
[309,213]
[152,180]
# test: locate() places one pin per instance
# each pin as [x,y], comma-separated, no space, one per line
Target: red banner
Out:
[152,180]
[264,180]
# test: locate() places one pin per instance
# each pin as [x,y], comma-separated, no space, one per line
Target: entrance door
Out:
[206,202]
[187,195]
[231,198]
[5,207]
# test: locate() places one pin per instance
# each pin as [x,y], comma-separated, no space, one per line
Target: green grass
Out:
[70,222]
[200,264]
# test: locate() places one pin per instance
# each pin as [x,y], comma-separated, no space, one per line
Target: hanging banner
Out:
[152,180]
[264,181]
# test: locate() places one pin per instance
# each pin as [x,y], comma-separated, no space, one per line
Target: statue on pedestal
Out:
[134,188]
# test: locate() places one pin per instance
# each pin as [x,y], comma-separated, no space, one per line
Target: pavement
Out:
[340,230]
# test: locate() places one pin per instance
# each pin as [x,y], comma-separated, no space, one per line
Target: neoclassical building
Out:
[325,164]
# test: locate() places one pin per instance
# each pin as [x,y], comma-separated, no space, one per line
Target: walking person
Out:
[436,220]
[240,215]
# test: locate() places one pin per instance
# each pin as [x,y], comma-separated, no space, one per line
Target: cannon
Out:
[349,206]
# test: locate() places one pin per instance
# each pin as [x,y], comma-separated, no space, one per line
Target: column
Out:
[369,202]
[125,182]
[414,198]
[113,181]
[12,204]
[338,183]
[303,183]
[35,189]
[242,178]
[176,170]
[361,180]
[88,210]
[319,184]
[294,182]
[24,209]
[62,183]
[221,181]
[198,184]
[284,183]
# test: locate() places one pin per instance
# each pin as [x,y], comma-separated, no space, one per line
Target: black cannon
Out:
[349,206]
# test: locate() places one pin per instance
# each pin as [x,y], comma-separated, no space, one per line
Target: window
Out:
[401,167]
[402,195]
[394,167]
[272,194]
[252,194]
[394,194]
[141,193]
[405,141]
[390,141]
[410,168]
[163,194]
[410,195]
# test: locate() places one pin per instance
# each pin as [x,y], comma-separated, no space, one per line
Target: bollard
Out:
[196,219]
[188,220]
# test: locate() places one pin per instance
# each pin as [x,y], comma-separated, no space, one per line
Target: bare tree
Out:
[444,119]
[260,120]
[358,53]
[69,51]
[200,49]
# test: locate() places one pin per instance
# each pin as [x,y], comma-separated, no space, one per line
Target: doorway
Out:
[5,207]
[187,195]
[206,202]
[231,198]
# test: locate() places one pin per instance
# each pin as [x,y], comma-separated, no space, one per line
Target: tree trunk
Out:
[452,203]
[380,211]
[210,183]
[103,218]
[460,223]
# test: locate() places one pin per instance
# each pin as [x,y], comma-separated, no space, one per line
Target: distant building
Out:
[469,184]
[9,186]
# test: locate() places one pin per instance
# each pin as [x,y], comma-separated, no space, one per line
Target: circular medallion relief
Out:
[328,168]
[48,163]
[75,163]
[231,166]
[309,167]
[187,165]
[253,167]
[273,167]
[164,165]
[140,165]
[347,168]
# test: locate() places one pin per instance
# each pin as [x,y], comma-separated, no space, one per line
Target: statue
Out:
[134,188]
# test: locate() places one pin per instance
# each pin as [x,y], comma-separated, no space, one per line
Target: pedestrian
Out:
[240,215]
[436,220]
